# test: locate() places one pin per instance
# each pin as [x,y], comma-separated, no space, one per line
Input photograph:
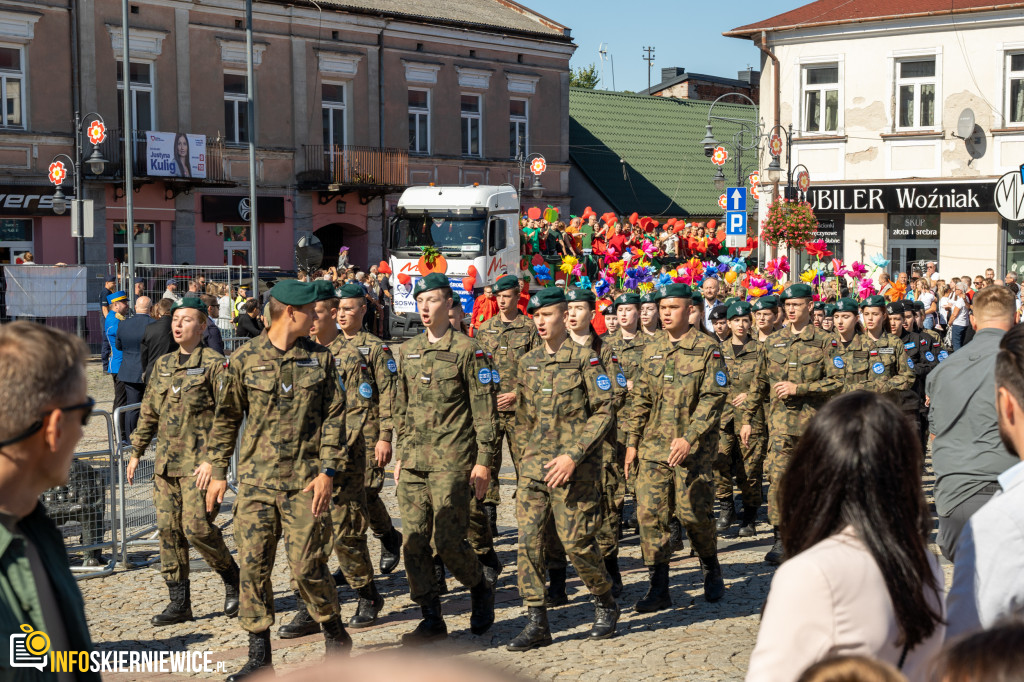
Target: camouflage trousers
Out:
[506,432]
[261,517]
[571,514]
[780,451]
[349,518]
[478,533]
[688,488]
[434,507]
[182,520]
[377,513]
[613,496]
[745,463]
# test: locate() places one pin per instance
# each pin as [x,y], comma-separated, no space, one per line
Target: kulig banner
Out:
[175,155]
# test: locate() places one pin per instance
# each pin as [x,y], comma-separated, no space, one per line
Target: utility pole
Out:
[129,168]
[250,113]
[649,58]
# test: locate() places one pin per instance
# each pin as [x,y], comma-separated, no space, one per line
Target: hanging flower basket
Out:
[792,222]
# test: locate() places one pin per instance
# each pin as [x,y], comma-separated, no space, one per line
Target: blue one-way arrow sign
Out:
[736,199]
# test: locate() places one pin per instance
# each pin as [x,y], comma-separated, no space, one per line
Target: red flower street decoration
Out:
[722,202]
[538,166]
[818,249]
[97,132]
[792,222]
[57,172]
[719,156]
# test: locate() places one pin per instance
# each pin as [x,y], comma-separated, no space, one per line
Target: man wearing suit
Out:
[157,340]
[129,342]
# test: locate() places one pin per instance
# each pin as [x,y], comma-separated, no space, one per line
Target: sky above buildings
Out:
[684,33]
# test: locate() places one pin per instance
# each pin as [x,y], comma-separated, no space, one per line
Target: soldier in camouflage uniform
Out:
[176,415]
[507,336]
[921,360]
[445,419]
[564,409]
[794,377]
[650,323]
[672,424]
[286,388]
[873,359]
[744,462]
[765,311]
[937,349]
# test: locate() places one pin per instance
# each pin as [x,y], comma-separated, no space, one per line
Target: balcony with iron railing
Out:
[112,150]
[371,170]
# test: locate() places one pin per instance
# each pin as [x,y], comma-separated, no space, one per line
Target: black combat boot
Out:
[179,609]
[611,563]
[726,513]
[492,566]
[259,656]
[491,512]
[657,597]
[676,535]
[442,584]
[748,524]
[390,550]
[556,595]
[776,554]
[482,616]
[606,615]
[336,639]
[302,623]
[370,604]
[714,586]
[231,579]
[535,634]
[339,579]
[429,629]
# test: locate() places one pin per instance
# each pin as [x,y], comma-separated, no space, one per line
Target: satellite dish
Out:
[976,144]
[965,124]
[309,253]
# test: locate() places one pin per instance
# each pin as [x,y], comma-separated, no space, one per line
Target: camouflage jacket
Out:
[918,350]
[679,394]
[383,375]
[937,349]
[610,359]
[507,343]
[879,366]
[804,359]
[357,384]
[630,351]
[445,404]
[294,410]
[564,406]
[177,410]
[741,366]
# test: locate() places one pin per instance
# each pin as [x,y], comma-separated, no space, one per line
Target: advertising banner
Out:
[175,155]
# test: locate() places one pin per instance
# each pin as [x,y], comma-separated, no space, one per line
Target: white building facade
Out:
[875,104]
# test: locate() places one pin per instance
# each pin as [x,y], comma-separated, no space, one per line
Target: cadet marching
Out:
[677,415]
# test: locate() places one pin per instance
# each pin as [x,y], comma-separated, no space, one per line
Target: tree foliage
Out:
[584,77]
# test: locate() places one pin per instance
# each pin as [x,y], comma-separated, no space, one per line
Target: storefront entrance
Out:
[913,241]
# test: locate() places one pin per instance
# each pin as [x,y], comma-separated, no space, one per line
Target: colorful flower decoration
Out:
[568,263]
[542,273]
[719,156]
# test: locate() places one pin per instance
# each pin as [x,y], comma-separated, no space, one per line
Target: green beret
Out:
[651,297]
[876,301]
[351,290]
[796,290]
[434,280]
[895,308]
[324,290]
[918,305]
[577,295]
[729,301]
[765,303]
[505,283]
[293,292]
[847,305]
[819,305]
[676,290]
[628,299]
[718,312]
[697,296]
[190,302]
[737,309]
[830,309]
[545,297]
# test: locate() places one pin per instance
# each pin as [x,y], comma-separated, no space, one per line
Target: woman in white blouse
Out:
[860,579]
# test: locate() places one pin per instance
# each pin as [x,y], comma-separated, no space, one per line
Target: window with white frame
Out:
[140,74]
[333,109]
[470,125]
[1015,88]
[821,98]
[915,93]
[12,85]
[145,243]
[236,118]
[419,121]
[518,128]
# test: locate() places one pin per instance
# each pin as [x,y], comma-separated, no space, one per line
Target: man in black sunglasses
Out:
[43,407]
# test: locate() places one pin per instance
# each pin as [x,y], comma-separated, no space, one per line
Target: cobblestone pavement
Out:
[694,640]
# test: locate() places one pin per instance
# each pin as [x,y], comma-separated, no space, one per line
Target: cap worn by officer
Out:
[505,283]
[876,301]
[434,280]
[293,292]
[765,303]
[846,305]
[736,309]
[796,290]
[116,296]
[351,290]
[718,313]
[675,290]
[109,278]
[190,302]
[324,290]
[547,296]
[171,282]
[577,295]
[895,308]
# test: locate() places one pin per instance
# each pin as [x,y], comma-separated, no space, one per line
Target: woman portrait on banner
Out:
[181,155]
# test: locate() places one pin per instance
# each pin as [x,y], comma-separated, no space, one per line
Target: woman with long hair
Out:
[861,579]
[181,155]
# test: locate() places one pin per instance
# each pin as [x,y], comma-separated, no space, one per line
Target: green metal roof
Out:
[659,139]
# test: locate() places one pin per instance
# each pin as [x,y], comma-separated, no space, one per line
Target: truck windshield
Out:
[444,231]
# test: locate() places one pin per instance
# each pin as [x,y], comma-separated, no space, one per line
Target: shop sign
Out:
[906,198]
[231,208]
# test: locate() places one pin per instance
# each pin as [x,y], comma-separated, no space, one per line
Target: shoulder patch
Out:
[720,378]
[603,382]
[835,344]
[385,347]
[392,365]
[594,362]
[478,354]
[715,354]
[838,362]
[620,379]
[484,376]
[365,390]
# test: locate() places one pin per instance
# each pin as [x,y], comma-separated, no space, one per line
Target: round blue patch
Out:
[910,363]
[878,368]
[838,362]
[931,358]
[484,375]
[365,390]
[620,379]
[392,366]
[720,378]
[943,355]
[603,382]
[495,377]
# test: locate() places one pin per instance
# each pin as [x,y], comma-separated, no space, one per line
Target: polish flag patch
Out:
[479,354]
[594,362]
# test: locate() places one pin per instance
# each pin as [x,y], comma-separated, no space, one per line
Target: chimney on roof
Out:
[671,72]
[750,76]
